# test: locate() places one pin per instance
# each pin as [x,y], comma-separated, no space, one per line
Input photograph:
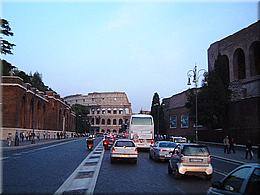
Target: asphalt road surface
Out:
[43,169]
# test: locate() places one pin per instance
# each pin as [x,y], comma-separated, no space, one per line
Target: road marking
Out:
[84,177]
[218,172]
[229,160]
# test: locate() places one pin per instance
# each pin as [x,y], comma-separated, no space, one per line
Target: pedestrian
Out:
[9,139]
[16,139]
[249,149]
[44,134]
[38,135]
[226,144]
[232,145]
[58,135]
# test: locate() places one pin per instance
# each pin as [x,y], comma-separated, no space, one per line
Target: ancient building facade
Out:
[108,110]
[25,109]
[177,119]
[240,54]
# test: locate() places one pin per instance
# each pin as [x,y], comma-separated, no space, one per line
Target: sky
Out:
[139,47]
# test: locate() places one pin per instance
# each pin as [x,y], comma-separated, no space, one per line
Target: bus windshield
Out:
[141,121]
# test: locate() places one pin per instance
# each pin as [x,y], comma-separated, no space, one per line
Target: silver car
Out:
[161,150]
[243,180]
[189,159]
[123,149]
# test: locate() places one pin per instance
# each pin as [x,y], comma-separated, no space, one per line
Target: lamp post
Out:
[196,74]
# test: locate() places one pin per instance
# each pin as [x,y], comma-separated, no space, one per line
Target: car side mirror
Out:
[171,152]
[217,184]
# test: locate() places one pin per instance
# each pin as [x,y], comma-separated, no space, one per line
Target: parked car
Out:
[161,150]
[190,159]
[244,179]
[123,149]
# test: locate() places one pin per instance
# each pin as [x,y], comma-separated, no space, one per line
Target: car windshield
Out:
[195,151]
[124,143]
[142,121]
[167,145]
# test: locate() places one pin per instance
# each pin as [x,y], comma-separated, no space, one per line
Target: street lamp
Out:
[195,74]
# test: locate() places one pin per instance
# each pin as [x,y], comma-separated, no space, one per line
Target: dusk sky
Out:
[139,48]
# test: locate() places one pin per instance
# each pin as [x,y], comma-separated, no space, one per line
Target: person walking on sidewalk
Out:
[232,145]
[226,144]
[249,149]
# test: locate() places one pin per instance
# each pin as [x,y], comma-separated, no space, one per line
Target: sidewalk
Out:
[27,143]
[238,157]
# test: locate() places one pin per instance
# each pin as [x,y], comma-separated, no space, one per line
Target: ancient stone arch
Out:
[239,65]
[254,57]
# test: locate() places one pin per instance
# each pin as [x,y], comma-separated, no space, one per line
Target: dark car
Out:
[243,180]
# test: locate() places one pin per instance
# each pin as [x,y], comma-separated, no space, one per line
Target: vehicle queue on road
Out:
[187,159]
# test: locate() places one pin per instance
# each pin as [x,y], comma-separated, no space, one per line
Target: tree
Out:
[155,111]
[6,46]
[82,123]
[6,68]
[213,99]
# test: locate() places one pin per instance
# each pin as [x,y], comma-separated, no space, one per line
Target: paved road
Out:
[148,176]
[43,169]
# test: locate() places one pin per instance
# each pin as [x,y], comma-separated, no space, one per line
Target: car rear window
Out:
[167,145]
[124,143]
[195,151]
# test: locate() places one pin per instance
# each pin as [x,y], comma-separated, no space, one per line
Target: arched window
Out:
[114,121]
[108,122]
[239,64]
[103,121]
[98,121]
[120,121]
[254,55]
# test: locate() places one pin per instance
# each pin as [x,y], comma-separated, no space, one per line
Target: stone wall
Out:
[24,108]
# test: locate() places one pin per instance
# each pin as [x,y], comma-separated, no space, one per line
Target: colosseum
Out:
[108,111]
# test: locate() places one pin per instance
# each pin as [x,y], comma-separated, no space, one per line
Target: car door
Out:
[236,182]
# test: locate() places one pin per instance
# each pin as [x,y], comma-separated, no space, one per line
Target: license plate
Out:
[196,160]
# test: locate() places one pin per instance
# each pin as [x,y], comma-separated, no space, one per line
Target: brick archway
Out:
[239,64]
[254,56]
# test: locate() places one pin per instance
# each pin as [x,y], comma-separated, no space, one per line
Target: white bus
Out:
[141,130]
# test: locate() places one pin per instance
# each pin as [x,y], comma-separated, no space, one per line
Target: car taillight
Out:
[113,150]
[136,150]
[152,141]
[163,150]
[209,160]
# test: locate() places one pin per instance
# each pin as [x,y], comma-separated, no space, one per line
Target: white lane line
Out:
[72,184]
[4,158]
[236,162]
[95,176]
[218,172]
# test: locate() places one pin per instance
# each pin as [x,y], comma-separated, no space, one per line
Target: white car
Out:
[123,149]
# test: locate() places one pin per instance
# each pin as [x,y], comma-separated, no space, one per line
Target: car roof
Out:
[124,140]
[165,142]
[255,165]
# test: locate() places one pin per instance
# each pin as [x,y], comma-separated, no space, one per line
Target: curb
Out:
[7,148]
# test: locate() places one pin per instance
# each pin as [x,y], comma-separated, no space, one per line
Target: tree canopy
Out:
[6,46]
[213,99]
[82,122]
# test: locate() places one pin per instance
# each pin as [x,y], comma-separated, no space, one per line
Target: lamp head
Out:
[189,81]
